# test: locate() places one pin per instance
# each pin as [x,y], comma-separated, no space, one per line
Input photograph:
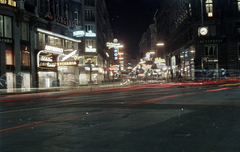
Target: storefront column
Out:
[17,56]
[3,66]
[34,74]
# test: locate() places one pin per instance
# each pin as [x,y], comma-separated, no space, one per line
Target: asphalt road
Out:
[140,118]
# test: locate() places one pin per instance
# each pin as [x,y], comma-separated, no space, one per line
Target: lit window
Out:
[3,1]
[209,8]
[9,57]
[25,56]
[190,9]
[76,17]
[54,41]
[89,27]
[12,3]
[239,5]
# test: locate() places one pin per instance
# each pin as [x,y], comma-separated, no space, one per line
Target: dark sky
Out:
[130,19]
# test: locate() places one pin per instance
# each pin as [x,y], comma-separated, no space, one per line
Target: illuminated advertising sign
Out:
[46,58]
[78,33]
[90,34]
[90,49]
[54,64]
[53,49]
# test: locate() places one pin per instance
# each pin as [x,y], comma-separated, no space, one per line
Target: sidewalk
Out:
[91,87]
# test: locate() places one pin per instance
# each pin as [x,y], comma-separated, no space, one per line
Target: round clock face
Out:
[203,30]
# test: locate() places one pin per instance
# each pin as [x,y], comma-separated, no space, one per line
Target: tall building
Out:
[98,32]
[201,39]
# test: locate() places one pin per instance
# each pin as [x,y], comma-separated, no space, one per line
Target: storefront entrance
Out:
[47,79]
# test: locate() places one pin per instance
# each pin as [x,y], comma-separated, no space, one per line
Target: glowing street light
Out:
[160,44]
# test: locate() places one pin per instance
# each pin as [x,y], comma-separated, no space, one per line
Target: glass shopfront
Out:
[47,79]
[26,79]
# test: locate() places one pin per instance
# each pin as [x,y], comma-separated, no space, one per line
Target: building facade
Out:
[93,49]
[40,44]
[201,37]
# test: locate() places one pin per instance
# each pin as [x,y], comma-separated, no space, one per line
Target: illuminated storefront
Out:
[97,70]
[58,62]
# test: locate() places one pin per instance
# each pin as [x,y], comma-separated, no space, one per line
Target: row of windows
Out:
[89,2]
[53,41]
[6,28]
[8,2]
[55,7]
[25,57]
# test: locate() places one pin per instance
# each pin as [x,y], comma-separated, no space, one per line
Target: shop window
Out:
[209,8]
[211,50]
[25,31]
[9,57]
[25,56]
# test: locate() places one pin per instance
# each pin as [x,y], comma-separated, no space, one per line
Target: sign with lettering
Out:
[6,40]
[54,64]
[210,41]
[53,49]
[60,19]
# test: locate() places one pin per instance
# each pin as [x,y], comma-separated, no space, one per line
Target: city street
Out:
[167,117]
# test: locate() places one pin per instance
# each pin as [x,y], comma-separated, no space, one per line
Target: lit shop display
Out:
[57,67]
[47,79]
[90,65]
[161,67]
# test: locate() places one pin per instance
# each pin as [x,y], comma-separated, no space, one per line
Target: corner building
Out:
[201,39]
[37,45]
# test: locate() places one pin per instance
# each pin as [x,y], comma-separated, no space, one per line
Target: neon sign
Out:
[55,49]
[60,19]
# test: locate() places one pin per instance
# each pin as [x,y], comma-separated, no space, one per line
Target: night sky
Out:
[130,19]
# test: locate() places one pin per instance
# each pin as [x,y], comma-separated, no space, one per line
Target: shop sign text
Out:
[54,64]
[52,48]
[210,41]
[6,40]
[60,19]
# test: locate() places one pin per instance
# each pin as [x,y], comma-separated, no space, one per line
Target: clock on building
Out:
[203,30]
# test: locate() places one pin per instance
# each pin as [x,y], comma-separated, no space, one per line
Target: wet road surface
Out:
[153,117]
